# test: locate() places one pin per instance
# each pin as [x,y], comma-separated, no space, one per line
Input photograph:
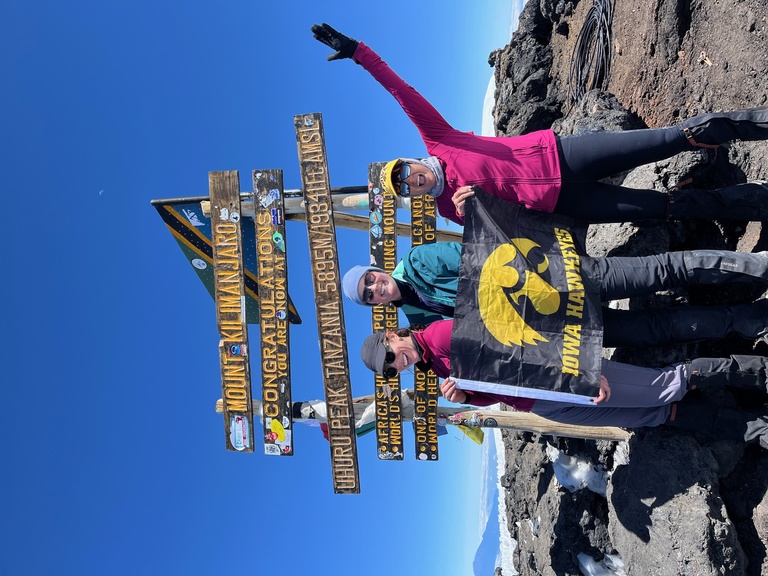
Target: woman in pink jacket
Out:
[630,396]
[557,174]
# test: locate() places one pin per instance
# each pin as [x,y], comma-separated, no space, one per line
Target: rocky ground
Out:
[675,504]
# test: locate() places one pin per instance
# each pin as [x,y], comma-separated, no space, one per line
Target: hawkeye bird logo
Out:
[502,288]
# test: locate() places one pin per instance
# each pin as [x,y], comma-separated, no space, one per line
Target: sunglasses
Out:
[370,278]
[405,171]
[389,370]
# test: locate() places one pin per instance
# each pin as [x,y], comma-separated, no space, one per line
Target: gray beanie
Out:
[374,352]
[351,282]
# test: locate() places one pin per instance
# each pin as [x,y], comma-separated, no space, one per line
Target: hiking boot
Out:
[711,130]
[748,201]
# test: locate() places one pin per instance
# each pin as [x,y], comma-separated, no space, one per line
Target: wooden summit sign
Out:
[423,224]
[383,247]
[227,243]
[272,257]
[321,232]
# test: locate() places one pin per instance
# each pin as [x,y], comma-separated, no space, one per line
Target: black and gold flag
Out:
[527,316]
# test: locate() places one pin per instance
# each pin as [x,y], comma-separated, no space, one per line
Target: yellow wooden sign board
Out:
[272,259]
[326,280]
[224,188]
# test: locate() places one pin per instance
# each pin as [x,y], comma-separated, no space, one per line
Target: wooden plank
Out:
[530,422]
[360,222]
[326,281]
[505,419]
[423,224]
[229,285]
[383,248]
[272,257]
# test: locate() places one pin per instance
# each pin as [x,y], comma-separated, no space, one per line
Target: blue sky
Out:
[113,457]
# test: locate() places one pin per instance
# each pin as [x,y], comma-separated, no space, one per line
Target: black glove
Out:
[345,47]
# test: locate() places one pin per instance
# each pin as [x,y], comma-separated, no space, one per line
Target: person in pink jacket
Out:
[557,174]
[630,396]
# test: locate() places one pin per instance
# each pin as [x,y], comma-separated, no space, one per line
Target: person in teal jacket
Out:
[425,282]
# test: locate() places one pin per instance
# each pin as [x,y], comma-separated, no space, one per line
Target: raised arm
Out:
[431,125]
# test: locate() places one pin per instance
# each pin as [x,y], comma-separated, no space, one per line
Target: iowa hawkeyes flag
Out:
[527,321]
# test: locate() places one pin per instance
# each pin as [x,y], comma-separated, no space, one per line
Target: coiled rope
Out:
[592,55]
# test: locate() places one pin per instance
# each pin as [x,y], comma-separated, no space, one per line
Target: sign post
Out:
[423,223]
[272,257]
[383,247]
[234,357]
[326,281]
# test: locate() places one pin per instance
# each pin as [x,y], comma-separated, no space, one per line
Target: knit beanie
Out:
[351,282]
